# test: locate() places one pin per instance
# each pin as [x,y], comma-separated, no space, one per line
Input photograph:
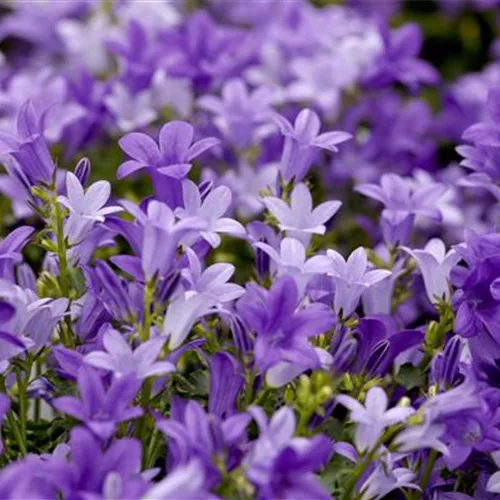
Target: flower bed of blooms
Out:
[248,251]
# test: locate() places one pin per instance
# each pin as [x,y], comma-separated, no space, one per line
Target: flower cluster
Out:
[235,262]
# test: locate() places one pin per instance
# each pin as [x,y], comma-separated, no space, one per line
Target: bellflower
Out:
[281,465]
[99,409]
[171,157]
[182,314]
[399,60]
[239,114]
[121,360]
[373,418]
[402,203]
[29,148]
[351,278]
[212,281]
[435,265]
[299,219]
[291,260]
[85,207]
[303,142]
[482,157]
[282,332]
[211,210]
[130,110]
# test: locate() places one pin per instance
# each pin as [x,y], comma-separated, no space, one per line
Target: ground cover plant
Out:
[249,249]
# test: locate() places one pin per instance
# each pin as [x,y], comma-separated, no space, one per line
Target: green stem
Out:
[38,400]
[428,468]
[17,433]
[23,403]
[64,279]
[149,291]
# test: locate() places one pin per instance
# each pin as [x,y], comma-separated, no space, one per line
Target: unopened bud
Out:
[82,171]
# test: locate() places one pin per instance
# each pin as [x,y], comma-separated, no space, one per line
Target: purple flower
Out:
[182,314]
[299,219]
[291,261]
[85,208]
[386,478]
[213,281]
[29,148]
[281,465]
[483,156]
[373,418]
[172,157]
[186,482]
[281,332]
[211,210]
[101,410]
[399,62]
[121,360]
[131,111]
[239,114]
[303,141]
[435,265]
[226,383]
[402,203]
[351,278]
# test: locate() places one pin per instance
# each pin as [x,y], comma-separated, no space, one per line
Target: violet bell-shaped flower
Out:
[101,410]
[240,115]
[29,148]
[171,157]
[403,201]
[303,141]
[300,220]
[211,210]
[85,207]
[373,418]
[121,360]
[351,278]
[435,264]
[291,260]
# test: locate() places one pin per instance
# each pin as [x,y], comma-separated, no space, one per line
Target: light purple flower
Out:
[183,312]
[291,260]
[303,141]
[403,200]
[386,478]
[213,281]
[493,485]
[351,278]
[240,115]
[101,410]
[299,219]
[435,265]
[373,418]
[211,210]
[121,360]
[85,207]
[173,93]
[131,111]
[420,437]
[185,482]
[173,155]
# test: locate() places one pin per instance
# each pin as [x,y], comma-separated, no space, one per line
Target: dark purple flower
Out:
[101,409]
[29,148]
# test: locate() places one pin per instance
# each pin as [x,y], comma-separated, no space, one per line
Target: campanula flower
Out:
[101,409]
[241,115]
[300,220]
[121,360]
[373,418]
[211,209]
[85,207]
[171,157]
[435,265]
[402,203]
[29,148]
[303,142]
